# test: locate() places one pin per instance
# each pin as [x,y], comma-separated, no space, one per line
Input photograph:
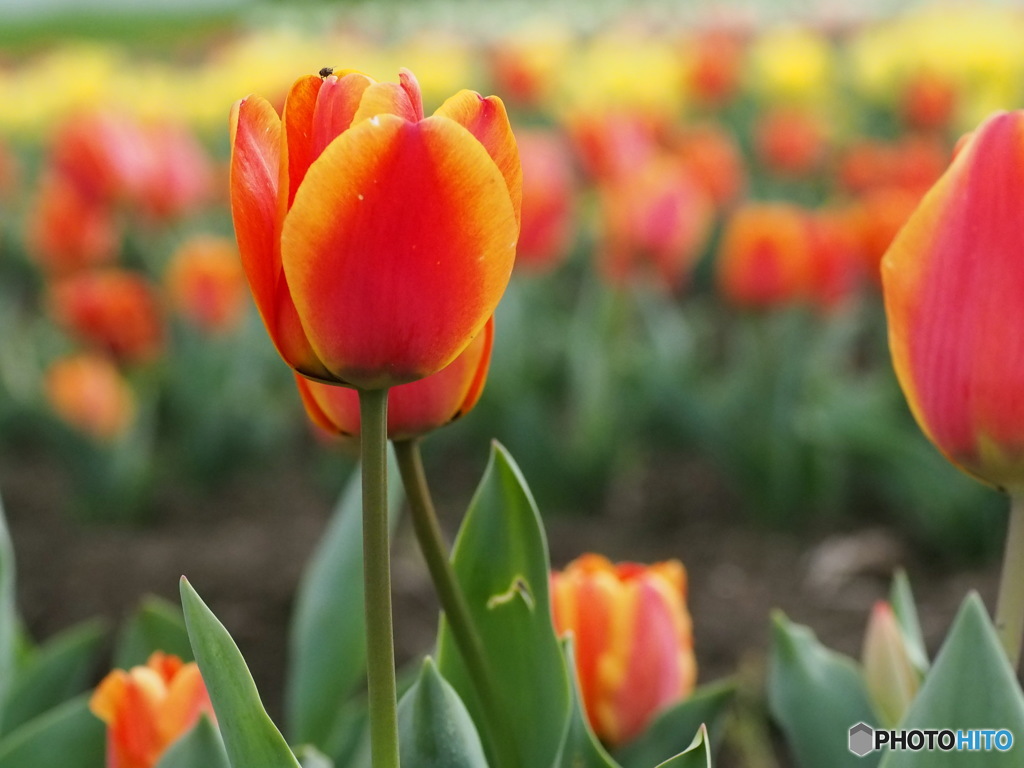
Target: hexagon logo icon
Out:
[862,739]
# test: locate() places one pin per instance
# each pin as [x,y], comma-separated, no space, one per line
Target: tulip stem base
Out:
[449,593]
[1010,604]
[380,644]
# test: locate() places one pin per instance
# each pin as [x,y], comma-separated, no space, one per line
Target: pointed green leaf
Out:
[815,695]
[666,735]
[903,605]
[56,672]
[201,747]
[69,736]
[434,727]
[8,610]
[157,625]
[971,685]
[581,748]
[327,639]
[697,755]
[251,738]
[501,563]
[310,757]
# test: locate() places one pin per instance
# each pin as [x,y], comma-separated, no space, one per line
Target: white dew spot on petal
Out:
[360,195]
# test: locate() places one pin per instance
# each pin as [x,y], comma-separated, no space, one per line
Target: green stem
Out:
[380,644]
[1010,605]
[453,599]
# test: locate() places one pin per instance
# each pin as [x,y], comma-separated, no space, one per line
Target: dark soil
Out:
[244,545]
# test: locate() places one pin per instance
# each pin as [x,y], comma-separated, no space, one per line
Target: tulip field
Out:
[499,386]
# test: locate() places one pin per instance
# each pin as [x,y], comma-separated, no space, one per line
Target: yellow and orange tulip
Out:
[377,242]
[414,409]
[90,394]
[633,640]
[205,283]
[953,280]
[149,707]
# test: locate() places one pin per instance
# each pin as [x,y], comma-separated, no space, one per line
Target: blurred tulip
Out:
[611,143]
[633,639]
[866,164]
[655,220]
[791,65]
[882,213]
[548,201]
[890,677]
[952,280]
[838,266]
[206,284]
[914,164]
[524,63]
[177,175]
[376,242]
[66,231]
[89,393]
[715,161]
[765,258]
[929,101]
[112,309]
[414,409]
[790,142]
[147,708]
[101,153]
[715,67]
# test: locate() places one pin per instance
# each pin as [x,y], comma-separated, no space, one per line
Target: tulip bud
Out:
[891,679]
[633,640]
[89,393]
[953,280]
[206,284]
[149,707]
[414,408]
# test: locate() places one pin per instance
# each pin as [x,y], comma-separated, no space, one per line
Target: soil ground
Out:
[244,545]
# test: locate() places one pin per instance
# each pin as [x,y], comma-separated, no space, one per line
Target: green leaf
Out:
[971,685]
[327,639]
[311,757]
[697,755]
[903,605]
[201,747]
[501,562]
[815,695]
[581,748]
[157,625]
[8,610]
[666,735]
[69,736]
[434,727]
[251,738]
[53,674]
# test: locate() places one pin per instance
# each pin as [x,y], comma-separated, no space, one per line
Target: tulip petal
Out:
[953,279]
[397,249]
[388,99]
[488,121]
[298,149]
[336,105]
[476,387]
[332,408]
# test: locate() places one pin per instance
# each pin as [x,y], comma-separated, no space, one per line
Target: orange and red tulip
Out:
[377,242]
[838,266]
[89,393]
[929,101]
[414,409]
[149,707]
[953,280]
[765,258]
[716,67]
[715,161]
[790,142]
[882,213]
[206,285]
[633,640]
[112,309]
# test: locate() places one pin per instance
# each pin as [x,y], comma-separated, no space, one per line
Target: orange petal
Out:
[298,149]
[186,699]
[476,387]
[487,120]
[397,249]
[336,106]
[390,99]
[332,408]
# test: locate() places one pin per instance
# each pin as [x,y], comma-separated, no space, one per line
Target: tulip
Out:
[112,309]
[790,142]
[890,676]
[149,707]
[837,260]
[929,101]
[952,280]
[765,258]
[715,161]
[89,393]
[414,409]
[376,242]
[633,640]
[882,213]
[611,143]
[548,201]
[656,220]
[206,284]
[715,67]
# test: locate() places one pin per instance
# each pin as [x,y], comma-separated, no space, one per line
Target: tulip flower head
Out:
[414,409]
[633,640]
[149,707]
[89,393]
[376,241]
[890,675]
[206,284]
[953,280]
